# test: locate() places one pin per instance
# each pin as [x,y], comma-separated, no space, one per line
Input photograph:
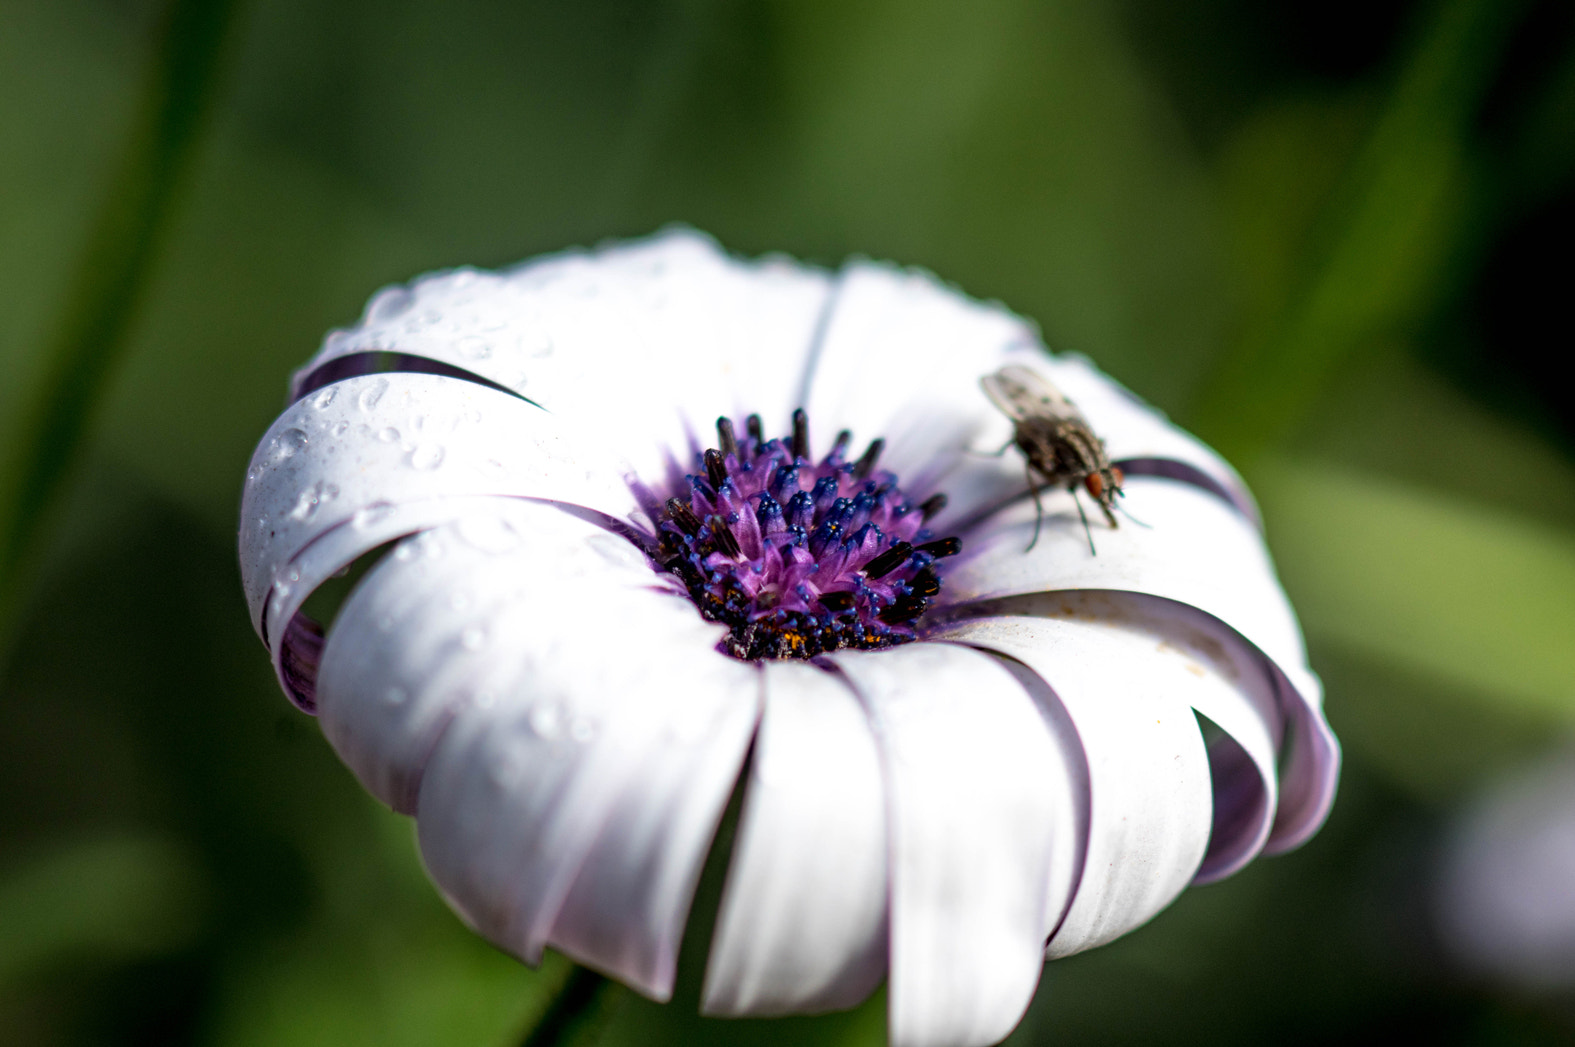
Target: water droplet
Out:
[293,574]
[582,730]
[388,435]
[474,638]
[287,443]
[307,504]
[341,428]
[426,456]
[387,304]
[405,552]
[545,720]
[474,347]
[326,397]
[373,393]
[395,696]
[372,515]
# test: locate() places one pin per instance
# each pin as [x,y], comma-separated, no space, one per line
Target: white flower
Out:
[1029,778]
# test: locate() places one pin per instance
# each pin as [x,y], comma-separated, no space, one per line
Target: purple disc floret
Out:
[799,557]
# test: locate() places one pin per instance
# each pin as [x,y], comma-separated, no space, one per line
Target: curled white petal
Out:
[562,795]
[1149,804]
[981,802]
[1192,549]
[353,452]
[803,921]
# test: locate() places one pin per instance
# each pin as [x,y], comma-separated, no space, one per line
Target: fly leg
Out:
[1039,509]
[1088,531]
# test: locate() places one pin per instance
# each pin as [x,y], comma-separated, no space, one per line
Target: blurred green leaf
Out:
[1383,241]
[112,897]
[109,278]
[1481,599]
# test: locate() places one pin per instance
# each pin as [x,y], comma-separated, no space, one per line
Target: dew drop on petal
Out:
[372,394]
[426,456]
[312,498]
[473,347]
[388,303]
[474,638]
[545,720]
[405,553]
[326,397]
[371,515]
[582,729]
[288,443]
[388,435]
[341,428]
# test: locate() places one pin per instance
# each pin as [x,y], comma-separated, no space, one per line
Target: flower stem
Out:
[110,276]
[577,1013]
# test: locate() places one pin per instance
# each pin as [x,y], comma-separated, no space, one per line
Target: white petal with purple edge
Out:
[980,802]
[1196,550]
[573,796]
[418,637]
[649,340]
[1150,810]
[802,928]
[354,451]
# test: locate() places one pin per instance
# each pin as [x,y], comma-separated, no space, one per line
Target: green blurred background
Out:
[1331,237]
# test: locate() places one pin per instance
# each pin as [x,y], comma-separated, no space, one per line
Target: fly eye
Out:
[1095,484]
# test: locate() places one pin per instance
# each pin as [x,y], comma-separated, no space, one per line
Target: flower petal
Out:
[355,450]
[803,926]
[1193,550]
[571,730]
[981,808]
[902,357]
[650,340]
[418,638]
[1150,808]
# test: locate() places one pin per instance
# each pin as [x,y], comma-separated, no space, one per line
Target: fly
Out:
[1056,442]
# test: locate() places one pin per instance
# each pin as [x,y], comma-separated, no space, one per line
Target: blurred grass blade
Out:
[120,897]
[1383,242]
[1479,599]
[111,273]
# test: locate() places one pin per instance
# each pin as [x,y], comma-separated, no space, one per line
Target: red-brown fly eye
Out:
[1095,484]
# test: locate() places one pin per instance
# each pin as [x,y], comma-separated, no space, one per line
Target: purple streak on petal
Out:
[384,362]
[302,651]
[1238,807]
[1172,469]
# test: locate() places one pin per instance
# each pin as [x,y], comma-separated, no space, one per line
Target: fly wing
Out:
[1022,394]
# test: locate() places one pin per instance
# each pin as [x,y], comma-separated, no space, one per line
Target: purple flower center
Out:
[799,557]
